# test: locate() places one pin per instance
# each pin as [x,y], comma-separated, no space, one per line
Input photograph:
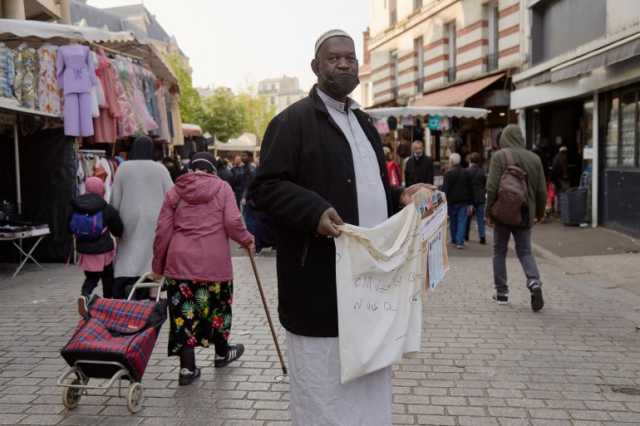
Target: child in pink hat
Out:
[94,223]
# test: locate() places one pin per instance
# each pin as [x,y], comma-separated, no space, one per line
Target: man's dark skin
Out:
[336,61]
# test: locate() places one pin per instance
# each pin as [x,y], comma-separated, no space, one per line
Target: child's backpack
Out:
[87,227]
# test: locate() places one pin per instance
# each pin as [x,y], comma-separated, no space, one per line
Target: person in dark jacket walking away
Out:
[457,187]
[512,140]
[242,176]
[322,165]
[419,167]
[94,223]
[478,180]
[223,171]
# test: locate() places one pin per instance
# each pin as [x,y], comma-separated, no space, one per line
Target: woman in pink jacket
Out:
[191,249]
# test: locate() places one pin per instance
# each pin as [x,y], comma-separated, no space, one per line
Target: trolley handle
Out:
[142,283]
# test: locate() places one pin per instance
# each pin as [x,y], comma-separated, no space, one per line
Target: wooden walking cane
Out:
[266,311]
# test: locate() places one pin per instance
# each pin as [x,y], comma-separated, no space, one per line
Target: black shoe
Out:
[501,299]
[537,302]
[483,241]
[234,352]
[187,376]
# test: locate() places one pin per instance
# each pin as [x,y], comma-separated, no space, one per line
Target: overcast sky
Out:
[234,43]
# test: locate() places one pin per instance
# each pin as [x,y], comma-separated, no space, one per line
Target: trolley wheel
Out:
[136,395]
[71,396]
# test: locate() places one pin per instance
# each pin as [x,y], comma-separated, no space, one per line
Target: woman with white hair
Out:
[457,187]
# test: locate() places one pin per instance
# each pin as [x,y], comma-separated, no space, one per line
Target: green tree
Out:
[191,107]
[224,115]
[257,113]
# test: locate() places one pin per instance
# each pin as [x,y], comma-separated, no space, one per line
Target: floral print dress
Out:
[200,314]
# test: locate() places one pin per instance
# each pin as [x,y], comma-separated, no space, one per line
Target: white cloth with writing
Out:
[381,274]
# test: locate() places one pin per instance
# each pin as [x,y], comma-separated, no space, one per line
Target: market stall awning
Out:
[456,95]
[19,29]
[444,111]
[246,142]
[191,130]
[12,30]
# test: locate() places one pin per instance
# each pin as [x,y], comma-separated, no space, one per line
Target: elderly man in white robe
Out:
[322,165]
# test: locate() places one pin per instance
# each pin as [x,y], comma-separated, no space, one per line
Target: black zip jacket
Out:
[91,204]
[418,171]
[306,167]
[478,184]
[457,186]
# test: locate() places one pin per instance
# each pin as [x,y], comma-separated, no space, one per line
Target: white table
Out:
[37,232]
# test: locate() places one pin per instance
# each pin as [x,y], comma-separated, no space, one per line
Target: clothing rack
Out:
[116,52]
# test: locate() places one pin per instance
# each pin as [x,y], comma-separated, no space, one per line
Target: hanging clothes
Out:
[161,102]
[139,103]
[48,90]
[25,85]
[76,76]
[7,71]
[127,125]
[178,136]
[106,125]
[95,96]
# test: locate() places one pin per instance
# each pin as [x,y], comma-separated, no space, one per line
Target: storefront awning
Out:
[420,111]
[19,29]
[191,130]
[608,55]
[456,95]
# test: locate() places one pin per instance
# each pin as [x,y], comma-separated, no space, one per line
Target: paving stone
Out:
[436,420]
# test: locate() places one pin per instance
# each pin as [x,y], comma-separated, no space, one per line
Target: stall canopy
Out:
[191,130]
[12,30]
[37,30]
[246,142]
[458,94]
[445,111]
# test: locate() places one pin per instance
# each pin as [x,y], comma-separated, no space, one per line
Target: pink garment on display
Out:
[382,126]
[161,98]
[127,122]
[139,104]
[106,125]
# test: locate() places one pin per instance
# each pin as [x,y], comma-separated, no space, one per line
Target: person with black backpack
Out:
[94,223]
[516,200]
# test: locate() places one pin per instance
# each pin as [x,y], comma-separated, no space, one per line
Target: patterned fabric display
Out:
[26,80]
[48,91]
[99,337]
[7,71]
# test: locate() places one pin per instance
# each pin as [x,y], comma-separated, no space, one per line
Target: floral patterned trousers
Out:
[200,314]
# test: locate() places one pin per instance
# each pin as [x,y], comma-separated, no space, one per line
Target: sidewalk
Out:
[577,363]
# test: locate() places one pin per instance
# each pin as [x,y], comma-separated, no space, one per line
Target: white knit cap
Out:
[330,34]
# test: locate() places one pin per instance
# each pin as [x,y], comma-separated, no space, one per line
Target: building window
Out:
[450,34]
[621,147]
[491,13]
[417,5]
[561,26]
[393,12]
[419,49]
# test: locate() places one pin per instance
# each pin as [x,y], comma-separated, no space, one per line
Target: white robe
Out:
[138,192]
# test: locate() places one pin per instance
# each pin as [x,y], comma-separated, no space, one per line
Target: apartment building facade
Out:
[580,88]
[445,53]
[40,10]
[418,47]
[281,92]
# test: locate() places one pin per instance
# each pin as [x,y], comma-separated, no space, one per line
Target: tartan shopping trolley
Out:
[114,342]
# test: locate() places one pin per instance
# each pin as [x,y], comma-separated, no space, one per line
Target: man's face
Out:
[418,149]
[237,160]
[336,67]
[245,158]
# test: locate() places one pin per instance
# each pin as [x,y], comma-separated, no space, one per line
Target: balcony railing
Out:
[492,62]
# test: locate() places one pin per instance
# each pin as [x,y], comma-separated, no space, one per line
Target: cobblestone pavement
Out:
[575,363]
